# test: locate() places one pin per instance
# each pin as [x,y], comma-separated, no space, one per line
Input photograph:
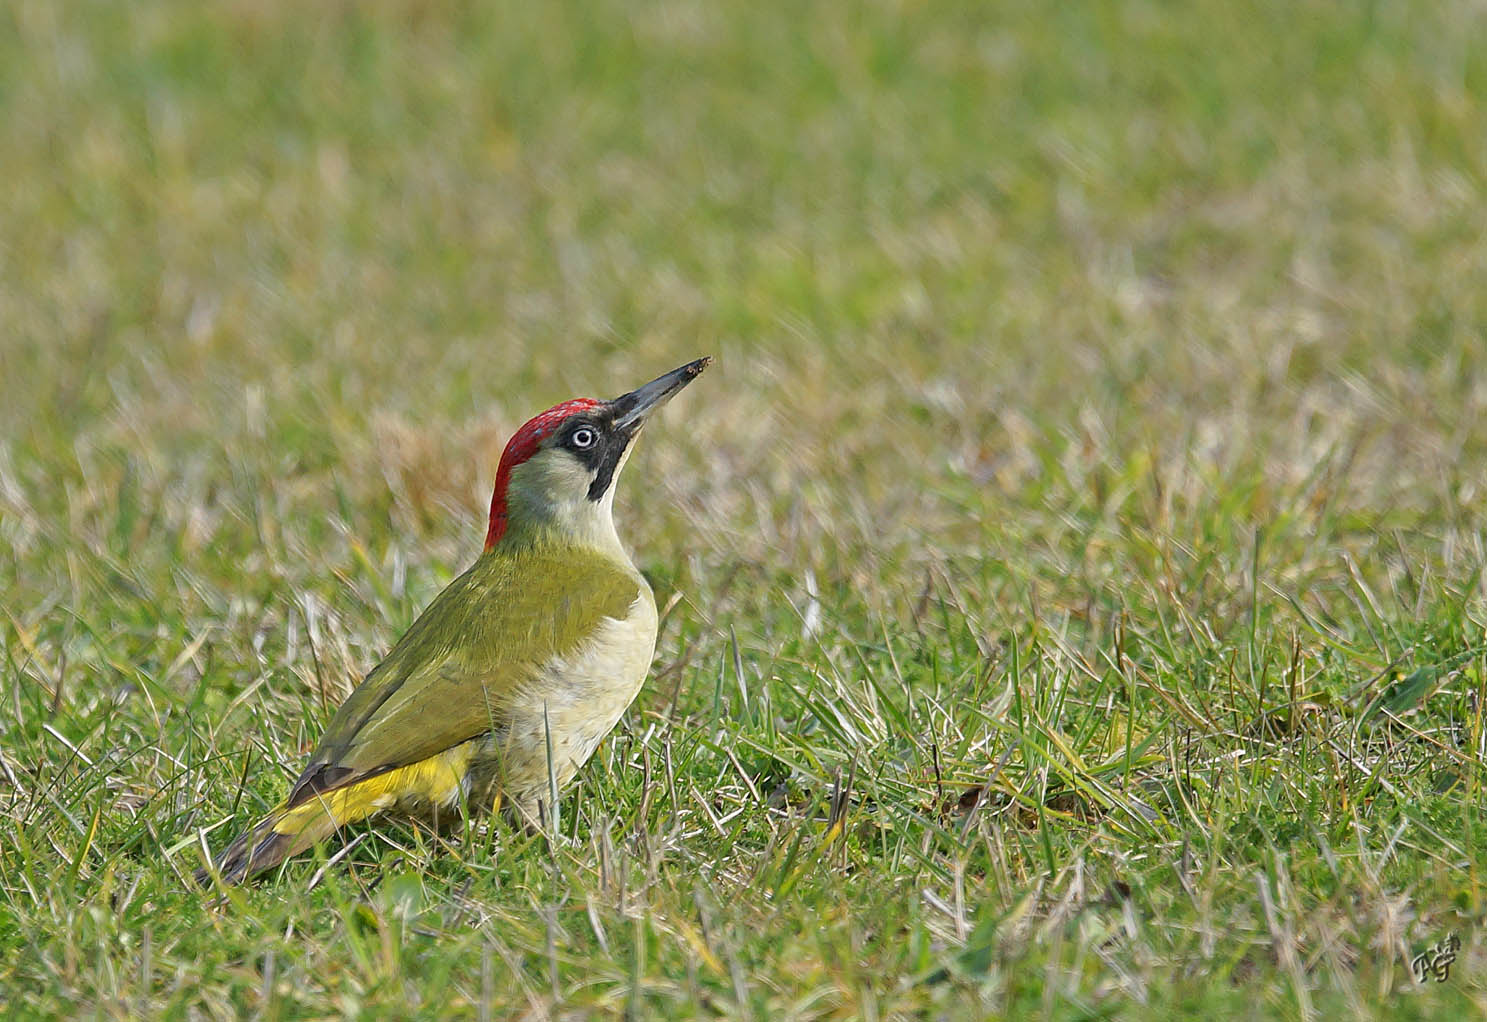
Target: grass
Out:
[1072,565]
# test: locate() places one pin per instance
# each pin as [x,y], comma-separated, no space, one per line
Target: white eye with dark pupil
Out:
[583,438]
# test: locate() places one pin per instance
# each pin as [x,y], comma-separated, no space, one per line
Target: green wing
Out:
[453,673]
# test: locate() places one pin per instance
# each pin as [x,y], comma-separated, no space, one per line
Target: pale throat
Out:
[547,502]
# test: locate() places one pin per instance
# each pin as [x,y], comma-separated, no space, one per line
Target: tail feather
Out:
[289,830]
[283,833]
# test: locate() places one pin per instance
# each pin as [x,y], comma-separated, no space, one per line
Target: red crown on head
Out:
[522,445]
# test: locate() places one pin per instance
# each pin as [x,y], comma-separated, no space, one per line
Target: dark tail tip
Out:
[260,849]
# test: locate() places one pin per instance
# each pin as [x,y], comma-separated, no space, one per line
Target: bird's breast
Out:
[573,701]
[594,684]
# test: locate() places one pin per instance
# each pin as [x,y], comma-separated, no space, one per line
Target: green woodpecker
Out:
[504,686]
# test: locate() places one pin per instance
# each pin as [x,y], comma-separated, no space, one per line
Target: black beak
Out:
[630,410]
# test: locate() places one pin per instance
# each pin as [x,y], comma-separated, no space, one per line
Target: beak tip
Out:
[636,405]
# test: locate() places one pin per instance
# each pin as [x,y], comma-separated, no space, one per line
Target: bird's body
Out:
[511,677]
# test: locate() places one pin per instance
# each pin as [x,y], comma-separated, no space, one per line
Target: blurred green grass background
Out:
[1084,511]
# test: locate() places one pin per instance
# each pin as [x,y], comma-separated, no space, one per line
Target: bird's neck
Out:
[535,519]
[546,503]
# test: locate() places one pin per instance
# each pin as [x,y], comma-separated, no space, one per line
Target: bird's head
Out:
[558,471]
